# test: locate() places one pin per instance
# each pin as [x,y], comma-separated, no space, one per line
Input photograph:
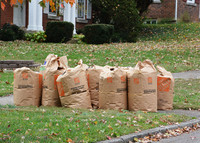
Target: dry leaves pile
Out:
[167,134]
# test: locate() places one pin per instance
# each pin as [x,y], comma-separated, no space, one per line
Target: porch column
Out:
[176,11]
[32,16]
[35,16]
[73,20]
[39,16]
[199,10]
[69,14]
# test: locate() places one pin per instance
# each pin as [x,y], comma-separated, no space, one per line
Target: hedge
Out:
[11,32]
[58,31]
[98,33]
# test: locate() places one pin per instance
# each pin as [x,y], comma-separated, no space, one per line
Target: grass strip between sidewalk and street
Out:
[6,83]
[45,124]
[187,94]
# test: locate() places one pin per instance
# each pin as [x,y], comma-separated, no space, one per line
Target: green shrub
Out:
[185,18]
[123,14]
[36,37]
[11,32]
[79,31]
[116,38]
[98,33]
[166,21]
[127,20]
[58,31]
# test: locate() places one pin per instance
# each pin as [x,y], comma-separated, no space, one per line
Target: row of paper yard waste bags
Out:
[140,88]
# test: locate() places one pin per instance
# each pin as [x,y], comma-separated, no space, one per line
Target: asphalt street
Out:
[192,137]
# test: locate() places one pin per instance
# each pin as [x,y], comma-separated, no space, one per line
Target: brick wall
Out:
[7,14]
[46,20]
[192,10]
[81,25]
[166,9]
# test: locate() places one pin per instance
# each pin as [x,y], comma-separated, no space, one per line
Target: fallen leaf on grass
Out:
[109,138]
[7,82]
[27,132]
[18,130]
[54,134]
[69,140]
[135,140]
[185,100]
[26,119]
[110,127]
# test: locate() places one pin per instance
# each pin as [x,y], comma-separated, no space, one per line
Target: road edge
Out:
[130,137]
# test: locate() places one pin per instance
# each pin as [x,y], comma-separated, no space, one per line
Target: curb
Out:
[130,137]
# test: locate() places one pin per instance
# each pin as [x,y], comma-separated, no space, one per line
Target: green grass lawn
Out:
[30,124]
[174,56]
[174,46]
[187,94]
[170,32]
[6,83]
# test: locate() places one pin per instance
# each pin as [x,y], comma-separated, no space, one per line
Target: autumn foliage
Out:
[52,3]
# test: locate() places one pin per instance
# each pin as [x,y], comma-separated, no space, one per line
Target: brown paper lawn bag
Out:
[54,67]
[142,87]
[27,87]
[93,74]
[165,86]
[112,89]
[73,88]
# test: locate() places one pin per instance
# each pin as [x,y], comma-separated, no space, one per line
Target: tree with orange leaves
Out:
[42,3]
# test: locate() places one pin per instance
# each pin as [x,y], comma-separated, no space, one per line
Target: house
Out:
[33,17]
[174,9]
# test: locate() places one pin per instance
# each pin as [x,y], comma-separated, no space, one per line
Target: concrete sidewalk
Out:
[7,100]
[190,113]
[188,75]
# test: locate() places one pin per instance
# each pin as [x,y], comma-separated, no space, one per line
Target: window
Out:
[81,9]
[54,14]
[150,21]
[156,1]
[89,9]
[51,11]
[191,1]
[84,9]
